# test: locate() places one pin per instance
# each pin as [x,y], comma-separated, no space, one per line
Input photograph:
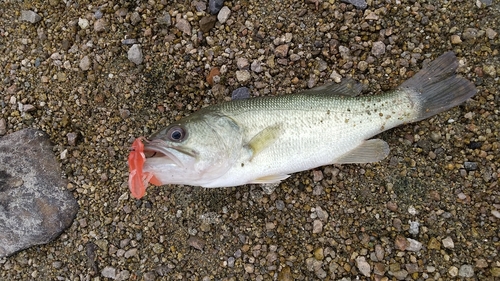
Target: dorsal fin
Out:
[347,87]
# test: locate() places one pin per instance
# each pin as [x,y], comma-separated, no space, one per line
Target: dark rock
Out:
[360,4]
[35,206]
[470,166]
[214,6]
[207,23]
[240,93]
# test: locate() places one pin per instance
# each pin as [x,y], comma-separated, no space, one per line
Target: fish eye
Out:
[176,133]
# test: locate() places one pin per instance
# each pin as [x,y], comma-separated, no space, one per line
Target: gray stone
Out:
[378,48]
[30,16]
[448,243]
[109,272]
[165,19]
[240,93]
[3,126]
[256,66]
[35,206]
[135,54]
[242,63]
[214,6]
[84,63]
[466,271]
[100,25]
[360,4]
[224,14]
[243,76]
[363,266]
[414,245]
[184,26]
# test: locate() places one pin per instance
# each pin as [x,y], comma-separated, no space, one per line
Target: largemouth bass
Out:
[265,139]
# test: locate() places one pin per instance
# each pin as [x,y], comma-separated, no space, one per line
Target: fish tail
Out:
[437,88]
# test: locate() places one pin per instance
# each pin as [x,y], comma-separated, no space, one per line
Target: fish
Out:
[264,140]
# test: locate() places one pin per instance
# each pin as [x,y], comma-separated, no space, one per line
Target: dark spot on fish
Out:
[242,165]
[328,112]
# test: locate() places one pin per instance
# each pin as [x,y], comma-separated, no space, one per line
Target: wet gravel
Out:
[95,76]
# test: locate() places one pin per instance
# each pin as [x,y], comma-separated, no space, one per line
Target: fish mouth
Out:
[158,149]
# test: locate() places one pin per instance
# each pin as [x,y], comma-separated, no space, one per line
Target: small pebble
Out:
[196,242]
[256,66]
[378,48]
[243,76]
[414,227]
[3,126]
[453,271]
[100,25]
[71,138]
[135,54]
[184,26]
[455,39]
[363,266]
[164,19]
[224,15]
[242,63]
[317,226]
[281,51]
[448,243]
[30,16]
[495,213]
[240,93]
[84,63]
[360,4]
[109,272]
[83,23]
[214,6]
[490,33]
[414,245]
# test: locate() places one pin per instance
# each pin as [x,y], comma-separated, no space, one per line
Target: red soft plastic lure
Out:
[137,179]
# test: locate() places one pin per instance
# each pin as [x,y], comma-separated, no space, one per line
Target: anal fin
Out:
[269,179]
[368,152]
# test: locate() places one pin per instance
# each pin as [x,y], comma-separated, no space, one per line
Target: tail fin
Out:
[437,88]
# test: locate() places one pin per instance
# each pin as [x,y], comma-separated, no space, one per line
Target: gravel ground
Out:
[431,211]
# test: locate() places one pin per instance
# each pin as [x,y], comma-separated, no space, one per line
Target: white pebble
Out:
[83,23]
[135,54]
[448,243]
[363,266]
[224,14]
[30,16]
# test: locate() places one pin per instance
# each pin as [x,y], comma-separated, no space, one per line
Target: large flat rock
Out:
[35,206]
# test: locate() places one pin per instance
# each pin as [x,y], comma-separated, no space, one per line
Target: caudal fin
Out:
[437,88]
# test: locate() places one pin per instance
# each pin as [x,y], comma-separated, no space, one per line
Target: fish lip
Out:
[159,148]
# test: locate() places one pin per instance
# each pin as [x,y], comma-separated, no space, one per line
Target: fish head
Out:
[195,150]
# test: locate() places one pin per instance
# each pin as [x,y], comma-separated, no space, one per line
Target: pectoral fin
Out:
[270,179]
[264,139]
[347,87]
[368,152]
